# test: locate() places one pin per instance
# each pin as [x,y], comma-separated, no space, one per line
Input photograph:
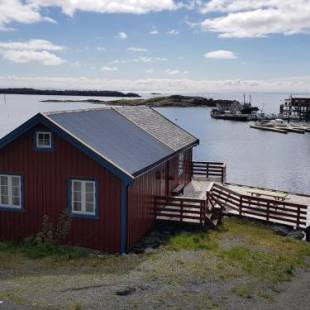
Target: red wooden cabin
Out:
[104,165]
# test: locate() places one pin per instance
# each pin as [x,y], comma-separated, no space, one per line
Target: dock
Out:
[265,128]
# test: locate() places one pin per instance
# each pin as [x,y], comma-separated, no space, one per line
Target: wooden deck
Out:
[292,211]
[207,198]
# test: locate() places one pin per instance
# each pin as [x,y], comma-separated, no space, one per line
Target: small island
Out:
[165,101]
[52,92]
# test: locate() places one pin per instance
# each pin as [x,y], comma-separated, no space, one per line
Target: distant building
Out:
[296,108]
[229,106]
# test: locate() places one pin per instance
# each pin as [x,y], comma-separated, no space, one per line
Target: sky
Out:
[156,45]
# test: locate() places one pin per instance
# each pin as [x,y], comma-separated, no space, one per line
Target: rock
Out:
[280,230]
[125,291]
[138,250]
[297,234]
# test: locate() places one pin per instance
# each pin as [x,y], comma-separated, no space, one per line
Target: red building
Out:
[103,165]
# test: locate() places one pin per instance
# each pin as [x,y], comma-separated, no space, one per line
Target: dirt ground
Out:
[242,266]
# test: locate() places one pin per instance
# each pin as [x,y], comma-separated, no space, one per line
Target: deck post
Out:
[267,213]
[240,205]
[181,213]
[298,217]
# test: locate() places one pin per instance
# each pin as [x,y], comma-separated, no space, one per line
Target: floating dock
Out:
[279,130]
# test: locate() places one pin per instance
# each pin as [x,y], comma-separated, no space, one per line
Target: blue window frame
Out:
[11,192]
[83,198]
[43,140]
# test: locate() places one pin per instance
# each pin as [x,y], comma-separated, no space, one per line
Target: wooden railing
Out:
[270,210]
[191,210]
[180,209]
[209,170]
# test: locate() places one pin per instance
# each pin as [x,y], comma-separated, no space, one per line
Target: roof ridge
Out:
[76,110]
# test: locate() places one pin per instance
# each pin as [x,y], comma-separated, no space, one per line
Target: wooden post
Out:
[267,214]
[207,172]
[181,213]
[298,217]
[222,174]
[240,206]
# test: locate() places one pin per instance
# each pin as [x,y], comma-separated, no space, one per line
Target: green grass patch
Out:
[251,247]
[42,251]
[13,298]
[193,241]
[243,291]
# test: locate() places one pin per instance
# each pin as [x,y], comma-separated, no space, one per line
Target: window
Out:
[43,140]
[10,191]
[181,164]
[83,197]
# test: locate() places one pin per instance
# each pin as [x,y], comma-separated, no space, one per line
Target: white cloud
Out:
[137,49]
[220,54]
[173,32]
[32,45]
[172,72]
[41,57]
[32,51]
[30,11]
[101,49]
[151,70]
[259,18]
[141,59]
[154,32]
[19,11]
[122,35]
[287,85]
[108,6]
[109,69]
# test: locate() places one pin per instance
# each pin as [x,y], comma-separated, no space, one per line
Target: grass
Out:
[253,247]
[243,291]
[189,271]
[42,251]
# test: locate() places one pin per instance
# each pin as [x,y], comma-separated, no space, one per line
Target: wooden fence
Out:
[209,169]
[188,210]
[270,210]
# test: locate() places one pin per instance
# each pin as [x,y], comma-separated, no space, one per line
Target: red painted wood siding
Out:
[141,195]
[46,177]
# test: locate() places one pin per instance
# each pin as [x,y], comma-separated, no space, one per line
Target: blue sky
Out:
[214,45]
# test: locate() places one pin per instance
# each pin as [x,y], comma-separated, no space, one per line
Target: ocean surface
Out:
[253,157]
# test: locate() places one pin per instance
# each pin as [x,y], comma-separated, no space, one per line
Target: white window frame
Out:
[10,204]
[83,211]
[181,164]
[43,146]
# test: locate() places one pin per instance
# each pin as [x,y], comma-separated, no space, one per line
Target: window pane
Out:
[77,206]
[15,181]
[4,190]
[89,187]
[16,201]
[3,180]
[89,197]
[77,196]
[90,207]
[4,200]
[77,186]
[43,139]
[15,191]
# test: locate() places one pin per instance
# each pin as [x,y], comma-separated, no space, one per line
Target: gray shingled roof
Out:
[158,126]
[114,137]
